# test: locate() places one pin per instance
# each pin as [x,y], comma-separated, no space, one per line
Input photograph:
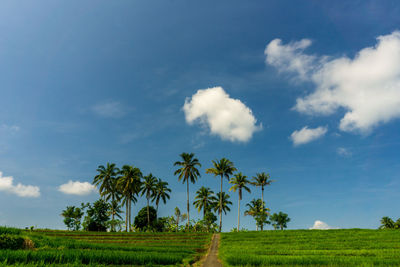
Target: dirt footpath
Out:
[212,258]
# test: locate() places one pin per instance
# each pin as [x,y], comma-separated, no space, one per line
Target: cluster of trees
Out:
[122,187]
[388,223]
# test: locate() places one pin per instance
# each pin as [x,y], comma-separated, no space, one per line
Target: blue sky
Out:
[83,84]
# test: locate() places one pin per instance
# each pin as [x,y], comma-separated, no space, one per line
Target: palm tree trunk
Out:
[238,215]
[157,211]
[126,214]
[188,216]
[262,197]
[148,213]
[220,207]
[112,215]
[130,213]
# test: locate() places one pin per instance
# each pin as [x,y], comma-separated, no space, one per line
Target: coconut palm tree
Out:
[239,182]
[108,184]
[161,192]
[148,188]
[258,212]
[187,172]
[280,219]
[223,168]
[386,223]
[204,199]
[262,179]
[129,184]
[225,203]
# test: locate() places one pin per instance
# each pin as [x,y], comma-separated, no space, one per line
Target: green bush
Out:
[8,241]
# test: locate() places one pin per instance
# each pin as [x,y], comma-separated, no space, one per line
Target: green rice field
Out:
[63,248]
[353,247]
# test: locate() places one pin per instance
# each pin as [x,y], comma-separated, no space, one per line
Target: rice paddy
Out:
[62,248]
[353,247]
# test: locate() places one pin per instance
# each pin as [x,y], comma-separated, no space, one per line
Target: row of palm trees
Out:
[126,184]
[223,168]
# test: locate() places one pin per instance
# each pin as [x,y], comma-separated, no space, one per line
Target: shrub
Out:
[8,241]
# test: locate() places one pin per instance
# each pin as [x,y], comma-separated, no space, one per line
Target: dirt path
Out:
[212,257]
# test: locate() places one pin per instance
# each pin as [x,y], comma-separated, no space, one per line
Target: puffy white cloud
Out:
[7,184]
[320,225]
[109,110]
[224,116]
[77,188]
[367,86]
[342,151]
[306,135]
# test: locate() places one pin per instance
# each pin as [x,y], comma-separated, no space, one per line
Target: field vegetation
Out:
[100,248]
[350,247]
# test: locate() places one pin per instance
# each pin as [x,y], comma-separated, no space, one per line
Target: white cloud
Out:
[6,184]
[306,135]
[320,225]
[77,188]
[9,128]
[109,110]
[367,86]
[224,116]
[343,152]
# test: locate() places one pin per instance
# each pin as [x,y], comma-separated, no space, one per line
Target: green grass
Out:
[63,248]
[352,247]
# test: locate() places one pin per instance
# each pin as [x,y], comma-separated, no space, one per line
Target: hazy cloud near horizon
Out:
[224,116]
[366,86]
[320,225]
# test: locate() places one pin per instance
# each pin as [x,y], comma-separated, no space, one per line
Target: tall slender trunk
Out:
[148,213]
[126,214]
[238,215]
[220,207]
[130,213]
[112,213]
[157,211]
[262,197]
[204,210]
[188,216]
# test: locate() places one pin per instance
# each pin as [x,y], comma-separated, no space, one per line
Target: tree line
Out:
[122,187]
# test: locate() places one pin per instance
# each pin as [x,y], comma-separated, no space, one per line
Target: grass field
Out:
[353,247]
[109,249]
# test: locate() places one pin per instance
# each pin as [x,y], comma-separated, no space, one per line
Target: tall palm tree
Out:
[225,203]
[224,167]
[239,182]
[204,199]
[148,188]
[161,192]
[129,183]
[262,179]
[187,171]
[108,184]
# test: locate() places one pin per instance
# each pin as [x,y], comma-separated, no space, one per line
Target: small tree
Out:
[97,216]
[72,217]
[387,223]
[179,217]
[279,220]
[142,219]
